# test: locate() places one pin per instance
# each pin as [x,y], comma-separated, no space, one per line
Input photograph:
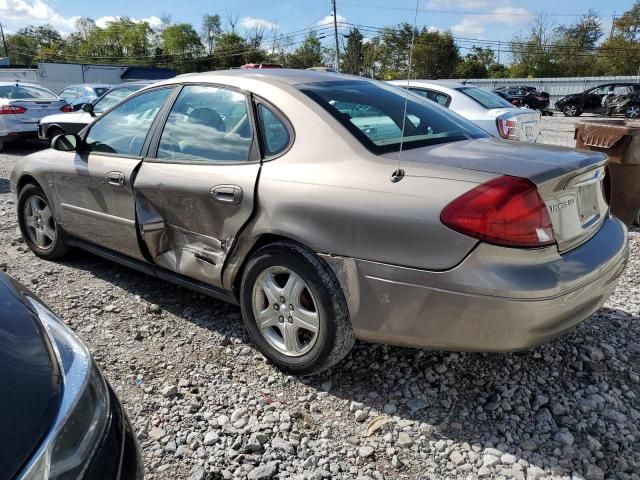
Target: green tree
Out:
[210,32]
[181,45]
[352,61]
[231,51]
[309,54]
[620,54]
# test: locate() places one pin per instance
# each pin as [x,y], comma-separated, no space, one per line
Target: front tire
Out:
[571,110]
[38,225]
[632,111]
[295,310]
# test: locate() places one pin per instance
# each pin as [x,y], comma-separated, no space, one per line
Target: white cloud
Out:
[477,24]
[19,13]
[329,19]
[260,23]
[457,4]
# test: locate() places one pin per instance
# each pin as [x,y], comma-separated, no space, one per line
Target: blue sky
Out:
[484,19]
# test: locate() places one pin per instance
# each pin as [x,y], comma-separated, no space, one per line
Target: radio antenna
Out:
[399,173]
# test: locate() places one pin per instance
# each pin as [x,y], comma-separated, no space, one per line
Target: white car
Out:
[486,109]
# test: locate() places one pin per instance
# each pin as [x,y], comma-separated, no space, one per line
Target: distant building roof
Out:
[147,73]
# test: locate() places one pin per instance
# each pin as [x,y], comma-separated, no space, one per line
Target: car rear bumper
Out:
[497,299]
[118,456]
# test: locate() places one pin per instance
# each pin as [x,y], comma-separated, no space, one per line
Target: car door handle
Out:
[115,178]
[229,194]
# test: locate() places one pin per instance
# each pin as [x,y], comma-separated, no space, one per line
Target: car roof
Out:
[21,84]
[88,85]
[288,76]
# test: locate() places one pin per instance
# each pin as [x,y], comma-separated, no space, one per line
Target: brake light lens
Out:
[505,211]
[67,109]
[508,129]
[11,110]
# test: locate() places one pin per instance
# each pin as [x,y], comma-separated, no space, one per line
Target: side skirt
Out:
[154,271]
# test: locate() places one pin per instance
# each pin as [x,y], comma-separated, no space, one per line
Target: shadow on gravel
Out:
[561,407]
[4,185]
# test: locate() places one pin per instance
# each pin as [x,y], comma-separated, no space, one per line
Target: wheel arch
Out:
[26,179]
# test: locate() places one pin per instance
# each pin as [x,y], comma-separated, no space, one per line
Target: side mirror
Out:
[65,142]
[88,107]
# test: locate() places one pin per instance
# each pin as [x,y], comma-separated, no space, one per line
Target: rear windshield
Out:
[21,92]
[373,113]
[99,91]
[486,99]
[113,97]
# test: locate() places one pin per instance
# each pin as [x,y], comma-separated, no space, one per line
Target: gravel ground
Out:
[206,405]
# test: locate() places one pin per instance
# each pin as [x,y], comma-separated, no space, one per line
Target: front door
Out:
[197,191]
[94,185]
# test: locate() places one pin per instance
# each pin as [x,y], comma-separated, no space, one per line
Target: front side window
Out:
[373,113]
[488,100]
[207,124]
[113,97]
[275,136]
[124,129]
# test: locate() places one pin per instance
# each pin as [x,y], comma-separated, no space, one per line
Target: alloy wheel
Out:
[39,222]
[633,111]
[286,313]
[571,110]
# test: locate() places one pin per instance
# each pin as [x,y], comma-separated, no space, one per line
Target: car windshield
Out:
[21,92]
[486,99]
[113,97]
[373,113]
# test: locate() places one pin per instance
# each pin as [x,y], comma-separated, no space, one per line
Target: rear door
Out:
[197,191]
[94,186]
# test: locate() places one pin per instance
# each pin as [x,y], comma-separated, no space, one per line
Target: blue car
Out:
[79,95]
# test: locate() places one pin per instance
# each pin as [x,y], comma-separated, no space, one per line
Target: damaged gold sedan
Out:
[332,208]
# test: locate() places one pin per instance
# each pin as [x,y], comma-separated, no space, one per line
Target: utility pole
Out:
[335,33]
[6,52]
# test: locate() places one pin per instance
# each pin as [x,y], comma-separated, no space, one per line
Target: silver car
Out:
[21,106]
[295,195]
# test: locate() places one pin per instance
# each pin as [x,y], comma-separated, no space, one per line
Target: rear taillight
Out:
[507,129]
[67,109]
[11,110]
[505,211]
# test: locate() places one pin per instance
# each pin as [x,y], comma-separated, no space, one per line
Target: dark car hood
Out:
[538,163]
[29,378]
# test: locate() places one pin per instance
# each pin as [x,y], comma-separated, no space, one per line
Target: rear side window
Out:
[124,129]
[207,124]
[275,135]
[100,91]
[438,97]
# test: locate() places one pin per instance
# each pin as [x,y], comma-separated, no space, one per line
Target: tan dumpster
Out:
[620,140]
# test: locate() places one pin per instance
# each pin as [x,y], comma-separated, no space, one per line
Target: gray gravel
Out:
[206,405]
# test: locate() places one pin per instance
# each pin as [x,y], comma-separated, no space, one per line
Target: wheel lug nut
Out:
[291,307]
[282,299]
[281,319]
[290,319]
[276,306]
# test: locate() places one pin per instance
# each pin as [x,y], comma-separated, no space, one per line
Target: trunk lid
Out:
[36,108]
[528,123]
[569,180]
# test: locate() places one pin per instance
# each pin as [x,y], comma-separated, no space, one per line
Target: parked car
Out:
[593,100]
[299,196]
[524,96]
[486,109]
[57,124]
[21,106]
[60,418]
[80,95]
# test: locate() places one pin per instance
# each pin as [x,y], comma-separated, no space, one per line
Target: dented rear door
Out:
[196,193]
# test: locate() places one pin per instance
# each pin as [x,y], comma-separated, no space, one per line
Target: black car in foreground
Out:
[596,100]
[59,418]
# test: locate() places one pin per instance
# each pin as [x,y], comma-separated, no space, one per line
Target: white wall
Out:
[56,76]
[20,74]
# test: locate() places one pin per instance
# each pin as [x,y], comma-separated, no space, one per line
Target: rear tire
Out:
[40,230]
[632,111]
[315,334]
[571,110]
